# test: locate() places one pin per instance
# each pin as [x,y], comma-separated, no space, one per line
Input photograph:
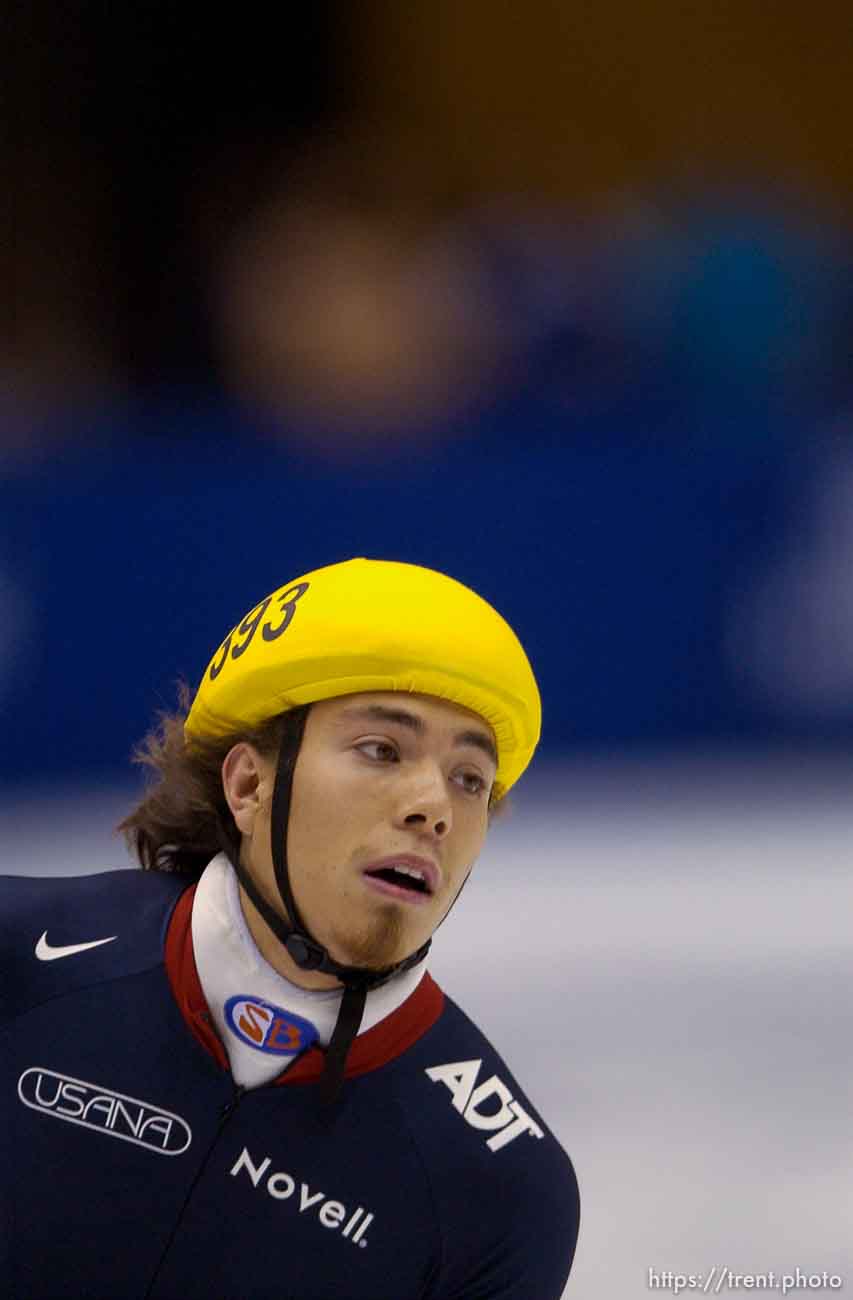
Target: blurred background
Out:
[559,301]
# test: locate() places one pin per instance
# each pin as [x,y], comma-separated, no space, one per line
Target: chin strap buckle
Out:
[307,954]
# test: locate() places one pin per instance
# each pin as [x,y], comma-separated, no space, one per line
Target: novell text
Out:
[282,1186]
[476,1103]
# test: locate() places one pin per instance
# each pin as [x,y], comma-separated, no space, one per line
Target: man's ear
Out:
[243,773]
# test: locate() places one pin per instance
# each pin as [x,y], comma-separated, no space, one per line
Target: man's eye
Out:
[382,751]
[472,782]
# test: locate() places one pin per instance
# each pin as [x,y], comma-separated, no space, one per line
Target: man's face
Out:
[389,810]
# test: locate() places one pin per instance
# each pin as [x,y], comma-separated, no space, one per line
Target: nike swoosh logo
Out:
[46,952]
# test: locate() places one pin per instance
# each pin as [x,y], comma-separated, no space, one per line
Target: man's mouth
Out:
[407,876]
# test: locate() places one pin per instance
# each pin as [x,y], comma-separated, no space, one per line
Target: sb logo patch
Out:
[268,1028]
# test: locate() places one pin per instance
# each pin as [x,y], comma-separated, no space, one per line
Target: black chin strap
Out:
[303,948]
[343,1037]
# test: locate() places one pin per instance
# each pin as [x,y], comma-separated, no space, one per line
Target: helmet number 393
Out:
[269,631]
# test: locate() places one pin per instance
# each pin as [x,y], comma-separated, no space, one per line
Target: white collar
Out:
[232,970]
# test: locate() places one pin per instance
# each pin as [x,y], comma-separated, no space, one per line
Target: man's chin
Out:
[380,945]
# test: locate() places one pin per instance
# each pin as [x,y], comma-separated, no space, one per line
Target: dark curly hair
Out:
[183,820]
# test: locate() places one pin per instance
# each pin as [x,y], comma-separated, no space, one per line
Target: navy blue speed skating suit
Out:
[132,1166]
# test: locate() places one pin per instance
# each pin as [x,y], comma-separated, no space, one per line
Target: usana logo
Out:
[113,1113]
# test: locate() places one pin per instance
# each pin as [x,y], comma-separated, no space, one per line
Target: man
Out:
[230,1075]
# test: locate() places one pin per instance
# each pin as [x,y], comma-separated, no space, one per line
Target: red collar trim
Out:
[375,1047]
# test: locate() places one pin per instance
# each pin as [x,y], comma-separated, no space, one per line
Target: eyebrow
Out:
[381,713]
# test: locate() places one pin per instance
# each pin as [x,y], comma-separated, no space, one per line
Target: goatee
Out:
[379,943]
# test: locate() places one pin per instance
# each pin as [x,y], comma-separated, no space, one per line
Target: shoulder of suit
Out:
[464,1087]
[502,1183]
[115,920]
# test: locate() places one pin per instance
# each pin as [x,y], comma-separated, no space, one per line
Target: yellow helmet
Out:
[373,625]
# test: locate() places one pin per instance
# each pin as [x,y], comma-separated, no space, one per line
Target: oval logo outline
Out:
[102,1094]
[268,1028]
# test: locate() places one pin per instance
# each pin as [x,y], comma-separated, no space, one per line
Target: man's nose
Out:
[426,804]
